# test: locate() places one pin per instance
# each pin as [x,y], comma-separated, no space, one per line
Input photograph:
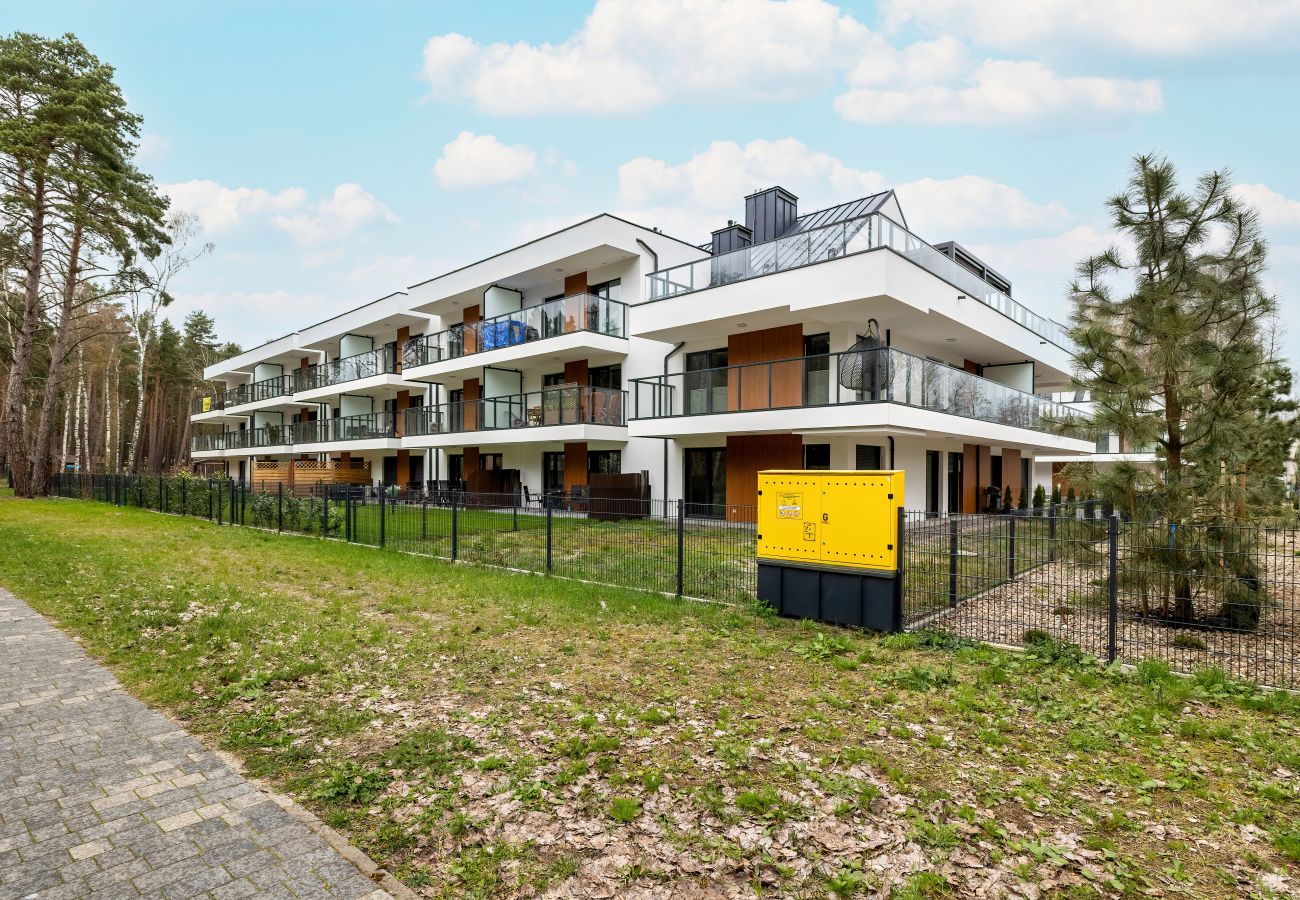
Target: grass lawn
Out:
[483,733]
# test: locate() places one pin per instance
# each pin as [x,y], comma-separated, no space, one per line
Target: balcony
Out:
[552,319]
[834,381]
[831,242]
[341,371]
[575,405]
[258,391]
[367,427]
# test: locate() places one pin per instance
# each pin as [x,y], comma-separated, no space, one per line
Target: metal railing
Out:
[568,405]
[883,375]
[873,232]
[368,426]
[267,389]
[567,315]
[349,368]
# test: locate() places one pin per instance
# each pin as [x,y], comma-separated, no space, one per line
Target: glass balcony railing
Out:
[349,368]
[369,426]
[563,405]
[873,232]
[200,443]
[852,377]
[567,315]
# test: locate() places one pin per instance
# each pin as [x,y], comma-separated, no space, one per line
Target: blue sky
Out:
[336,152]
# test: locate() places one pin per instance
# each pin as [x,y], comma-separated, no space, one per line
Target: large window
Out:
[552,472]
[706,481]
[817,369]
[867,458]
[817,456]
[604,462]
[606,376]
[706,381]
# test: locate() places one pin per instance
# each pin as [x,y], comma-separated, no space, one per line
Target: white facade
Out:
[607,346]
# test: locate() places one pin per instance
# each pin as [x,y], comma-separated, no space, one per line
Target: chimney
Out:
[770,213]
[733,237]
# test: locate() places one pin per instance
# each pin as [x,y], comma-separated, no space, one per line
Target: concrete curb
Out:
[390,887]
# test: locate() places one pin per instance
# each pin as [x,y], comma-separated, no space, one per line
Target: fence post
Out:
[952,563]
[681,545]
[514,513]
[324,513]
[347,515]
[424,520]
[185,506]
[1011,548]
[1051,532]
[279,506]
[1112,589]
[243,503]
[548,537]
[209,499]
[900,569]
[383,516]
[455,528]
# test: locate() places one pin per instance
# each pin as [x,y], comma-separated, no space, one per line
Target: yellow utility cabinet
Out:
[830,545]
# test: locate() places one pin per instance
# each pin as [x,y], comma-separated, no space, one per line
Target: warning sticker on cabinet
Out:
[810,531]
[788,506]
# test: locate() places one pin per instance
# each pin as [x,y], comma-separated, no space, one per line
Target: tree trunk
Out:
[58,354]
[142,346]
[15,434]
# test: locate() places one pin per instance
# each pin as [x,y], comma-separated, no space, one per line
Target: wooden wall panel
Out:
[470,316]
[766,387]
[472,394]
[970,478]
[469,461]
[749,454]
[575,284]
[575,465]
[576,372]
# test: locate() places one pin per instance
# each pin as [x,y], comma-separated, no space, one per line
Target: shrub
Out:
[624,809]
[1040,497]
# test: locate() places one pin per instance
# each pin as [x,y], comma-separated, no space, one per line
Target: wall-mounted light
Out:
[951,340]
[742,324]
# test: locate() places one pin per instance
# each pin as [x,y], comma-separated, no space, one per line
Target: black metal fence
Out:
[1225,596]
[646,544]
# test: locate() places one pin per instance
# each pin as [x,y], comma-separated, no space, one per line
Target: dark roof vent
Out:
[733,237]
[972,263]
[770,213]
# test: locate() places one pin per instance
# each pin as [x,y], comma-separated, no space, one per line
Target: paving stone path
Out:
[102,797]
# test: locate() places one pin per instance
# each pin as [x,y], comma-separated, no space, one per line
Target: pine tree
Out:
[1175,347]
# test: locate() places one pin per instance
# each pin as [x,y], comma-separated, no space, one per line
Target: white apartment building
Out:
[831,339]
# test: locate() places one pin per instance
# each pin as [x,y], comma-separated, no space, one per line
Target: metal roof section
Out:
[854,209]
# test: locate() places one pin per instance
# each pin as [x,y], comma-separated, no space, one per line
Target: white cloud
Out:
[475,160]
[220,208]
[1274,208]
[348,209]
[630,56]
[971,202]
[1167,27]
[996,91]
[633,56]
[694,197]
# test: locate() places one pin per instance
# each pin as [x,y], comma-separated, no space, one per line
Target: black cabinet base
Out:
[837,596]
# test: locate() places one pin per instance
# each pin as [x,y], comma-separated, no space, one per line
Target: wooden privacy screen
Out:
[267,473]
